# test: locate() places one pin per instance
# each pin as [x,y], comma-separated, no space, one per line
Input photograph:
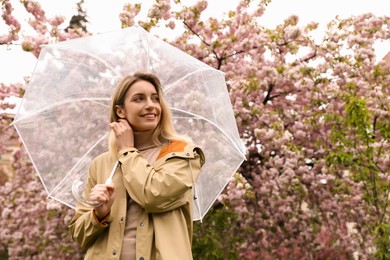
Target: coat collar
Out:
[174,148]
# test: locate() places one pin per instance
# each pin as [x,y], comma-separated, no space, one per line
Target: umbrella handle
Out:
[109,179]
[77,190]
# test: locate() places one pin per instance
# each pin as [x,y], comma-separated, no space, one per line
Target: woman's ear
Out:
[119,112]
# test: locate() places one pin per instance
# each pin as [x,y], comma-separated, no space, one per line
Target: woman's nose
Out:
[149,103]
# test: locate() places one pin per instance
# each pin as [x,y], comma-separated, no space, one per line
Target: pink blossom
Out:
[171,25]
[56,21]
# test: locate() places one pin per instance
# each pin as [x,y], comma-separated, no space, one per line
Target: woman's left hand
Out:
[104,193]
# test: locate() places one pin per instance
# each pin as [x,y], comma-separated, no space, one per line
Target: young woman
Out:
[146,212]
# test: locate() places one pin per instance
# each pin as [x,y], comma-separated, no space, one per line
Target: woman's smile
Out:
[150,116]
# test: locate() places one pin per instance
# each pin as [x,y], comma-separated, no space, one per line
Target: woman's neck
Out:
[143,140]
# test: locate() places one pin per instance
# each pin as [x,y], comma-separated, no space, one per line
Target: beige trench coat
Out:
[163,190]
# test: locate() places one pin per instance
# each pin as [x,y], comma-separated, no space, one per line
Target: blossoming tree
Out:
[314,116]
[30,225]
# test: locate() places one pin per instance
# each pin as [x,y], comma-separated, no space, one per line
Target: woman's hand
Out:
[123,133]
[104,193]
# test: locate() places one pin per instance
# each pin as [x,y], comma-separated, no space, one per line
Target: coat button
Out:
[173,154]
[113,252]
[121,221]
[188,154]
[141,224]
[141,258]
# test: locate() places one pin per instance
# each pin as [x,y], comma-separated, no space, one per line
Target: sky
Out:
[103,17]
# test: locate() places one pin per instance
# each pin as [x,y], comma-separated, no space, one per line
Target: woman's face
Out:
[142,107]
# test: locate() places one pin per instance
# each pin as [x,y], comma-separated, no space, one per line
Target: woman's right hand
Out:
[104,193]
[123,133]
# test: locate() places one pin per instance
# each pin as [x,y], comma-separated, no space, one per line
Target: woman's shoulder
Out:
[181,148]
[103,157]
[178,146]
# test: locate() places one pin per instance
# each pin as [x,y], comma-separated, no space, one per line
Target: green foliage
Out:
[218,237]
[352,138]
[251,85]
[378,71]
[4,256]
[382,231]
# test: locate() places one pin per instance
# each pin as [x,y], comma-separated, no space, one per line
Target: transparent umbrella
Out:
[63,117]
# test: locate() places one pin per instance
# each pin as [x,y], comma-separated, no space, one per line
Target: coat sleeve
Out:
[84,226]
[162,189]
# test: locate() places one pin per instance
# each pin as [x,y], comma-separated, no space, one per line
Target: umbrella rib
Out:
[219,192]
[32,161]
[62,201]
[103,99]
[79,161]
[91,54]
[59,104]
[209,121]
[168,87]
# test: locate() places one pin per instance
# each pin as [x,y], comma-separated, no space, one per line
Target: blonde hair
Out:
[165,131]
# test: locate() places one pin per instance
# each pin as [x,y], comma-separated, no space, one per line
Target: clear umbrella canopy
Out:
[64,115]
